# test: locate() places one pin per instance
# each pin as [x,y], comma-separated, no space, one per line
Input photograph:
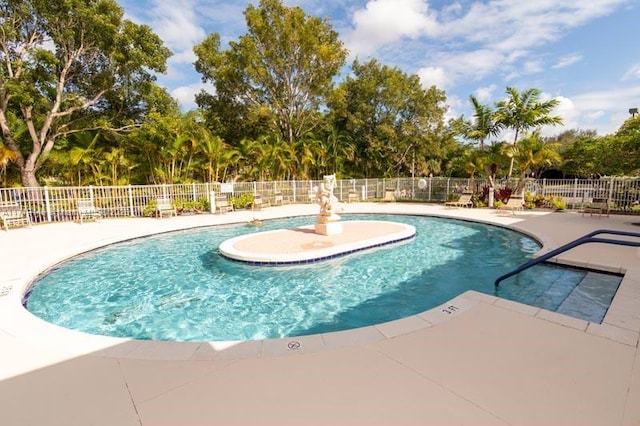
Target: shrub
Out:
[150,209]
[503,194]
[534,201]
[557,203]
[198,206]
[242,201]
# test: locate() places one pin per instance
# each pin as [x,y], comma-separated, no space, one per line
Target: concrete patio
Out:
[475,360]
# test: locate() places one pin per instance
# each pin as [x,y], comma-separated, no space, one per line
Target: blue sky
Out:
[584,53]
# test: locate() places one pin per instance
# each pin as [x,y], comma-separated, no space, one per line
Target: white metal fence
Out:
[58,204]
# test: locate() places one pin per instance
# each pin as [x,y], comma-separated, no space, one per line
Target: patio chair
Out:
[12,214]
[86,209]
[259,202]
[165,207]
[279,198]
[514,204]
[223,205]
[597,206]
[463,201]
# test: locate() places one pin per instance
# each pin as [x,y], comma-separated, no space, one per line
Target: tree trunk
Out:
[28,176]
[510,169]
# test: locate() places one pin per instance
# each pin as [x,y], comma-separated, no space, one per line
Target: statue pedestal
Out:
[329,228]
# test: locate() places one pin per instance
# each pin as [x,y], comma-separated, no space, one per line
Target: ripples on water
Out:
[176,286]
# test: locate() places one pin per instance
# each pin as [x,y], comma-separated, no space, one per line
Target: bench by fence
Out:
[12,214]
[165,207]
[258,202]
[598,206]
[278,198]
[222,205]
[87,210]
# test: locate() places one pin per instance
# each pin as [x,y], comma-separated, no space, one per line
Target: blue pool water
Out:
[177,287]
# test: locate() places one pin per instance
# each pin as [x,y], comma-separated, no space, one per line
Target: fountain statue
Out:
[327,223]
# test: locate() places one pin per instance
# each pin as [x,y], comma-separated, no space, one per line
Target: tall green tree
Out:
[395,124]
[628,145]
[62,64]
[524,111]
[277,74]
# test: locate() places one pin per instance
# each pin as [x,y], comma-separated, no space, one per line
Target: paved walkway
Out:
[476,360]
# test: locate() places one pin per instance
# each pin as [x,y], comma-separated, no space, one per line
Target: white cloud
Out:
[186,95]
[567,60]
[472,65]
[533,67]
[386,21]
[485,94]
[570,115]
[633,73]
[432,76]
[473,40]
[175,22]
[603,110]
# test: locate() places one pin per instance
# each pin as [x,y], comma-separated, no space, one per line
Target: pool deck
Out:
[476,360]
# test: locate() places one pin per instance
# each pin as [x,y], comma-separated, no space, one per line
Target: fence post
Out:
[610,188]
[47,205]
[195,195]
[130,193]
[293,185]
[430,178]
[446,196]
[91,193]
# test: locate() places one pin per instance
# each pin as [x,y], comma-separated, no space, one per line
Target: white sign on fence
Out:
[226,188]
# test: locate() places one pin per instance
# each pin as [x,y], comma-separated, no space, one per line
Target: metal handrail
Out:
[588,238]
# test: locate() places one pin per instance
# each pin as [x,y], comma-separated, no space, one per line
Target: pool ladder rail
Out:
[588,238]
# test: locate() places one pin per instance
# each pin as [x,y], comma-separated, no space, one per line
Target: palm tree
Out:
[531,153]
[218,155]
[484,124]
[524,111]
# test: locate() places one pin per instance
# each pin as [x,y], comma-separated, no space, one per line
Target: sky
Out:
[584,53]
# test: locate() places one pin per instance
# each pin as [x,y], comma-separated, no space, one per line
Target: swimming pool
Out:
[177,287]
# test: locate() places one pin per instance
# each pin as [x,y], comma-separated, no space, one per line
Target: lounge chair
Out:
[86,209]
[165,207]
[223,205]
[278,198]
[598,206]
[514,204]
[258,202]
[12,214]
[463,201]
